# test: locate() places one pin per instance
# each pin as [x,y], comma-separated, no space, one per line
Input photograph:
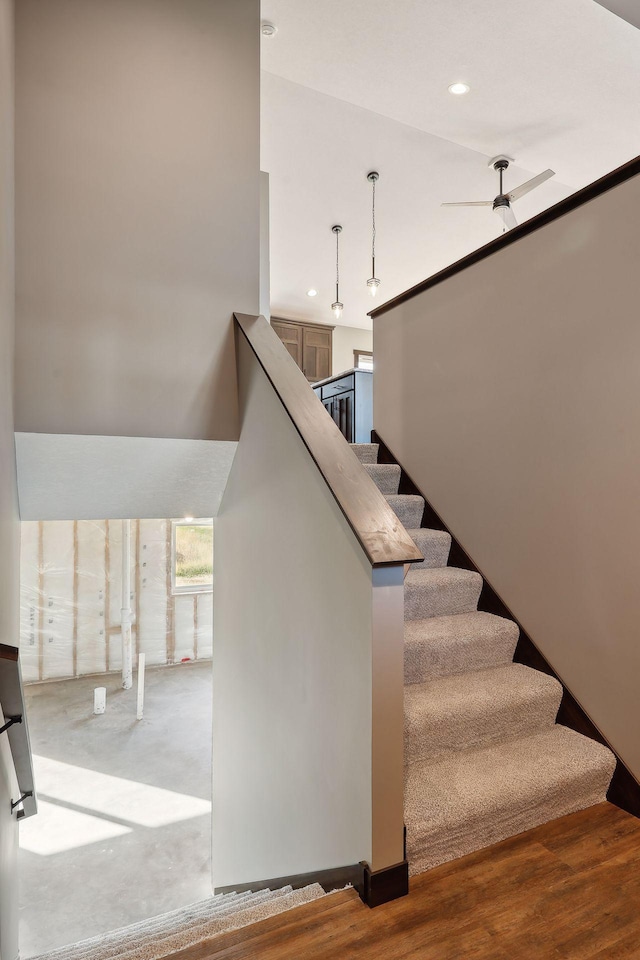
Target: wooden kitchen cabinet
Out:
[310,345]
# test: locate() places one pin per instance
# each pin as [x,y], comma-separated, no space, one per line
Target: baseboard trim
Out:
[381,886]
[374,887]
[624,790]
[332,879]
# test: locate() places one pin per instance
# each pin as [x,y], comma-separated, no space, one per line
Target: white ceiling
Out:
[354,85]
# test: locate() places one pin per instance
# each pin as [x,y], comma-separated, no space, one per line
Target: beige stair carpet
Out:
[166,934]
[484,757]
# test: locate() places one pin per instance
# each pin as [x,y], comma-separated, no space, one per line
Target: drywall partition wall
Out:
[71,597]
[293,662]
[9,525]
[93,478]
[509,392]
[137,213]
[345,341]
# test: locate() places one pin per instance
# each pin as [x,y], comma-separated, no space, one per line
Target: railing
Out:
[378,530]
[15,726]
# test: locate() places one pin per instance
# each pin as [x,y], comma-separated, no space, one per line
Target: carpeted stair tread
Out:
[168,933]
[254,910]
[366,452]
[434,545]
[386,476]
[442,646]
[473,710]
[468,801]
[407,508]
[102,946]
[440,592]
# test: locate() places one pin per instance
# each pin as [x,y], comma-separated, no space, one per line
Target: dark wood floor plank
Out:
[568,890]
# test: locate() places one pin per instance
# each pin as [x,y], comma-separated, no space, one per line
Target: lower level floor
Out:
[123,830]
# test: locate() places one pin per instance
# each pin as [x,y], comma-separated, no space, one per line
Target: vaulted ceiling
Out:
[355,85]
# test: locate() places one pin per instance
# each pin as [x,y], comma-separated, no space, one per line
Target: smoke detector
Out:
[268,29]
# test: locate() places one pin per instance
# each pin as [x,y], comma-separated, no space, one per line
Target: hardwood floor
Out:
[568,889]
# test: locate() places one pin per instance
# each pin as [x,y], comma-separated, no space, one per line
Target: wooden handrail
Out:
[577,199]
[13,705]
[375,525]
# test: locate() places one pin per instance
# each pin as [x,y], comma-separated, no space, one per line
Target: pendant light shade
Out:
[373,283]
[336,306]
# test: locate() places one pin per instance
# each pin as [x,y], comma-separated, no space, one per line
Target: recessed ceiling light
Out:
[268,29]
[312,293]
[459,88]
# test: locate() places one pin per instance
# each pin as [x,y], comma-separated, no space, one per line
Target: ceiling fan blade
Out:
[470,203]
[507,216]
[525,188]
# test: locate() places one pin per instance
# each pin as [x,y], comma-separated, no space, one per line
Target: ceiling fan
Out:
[502,203]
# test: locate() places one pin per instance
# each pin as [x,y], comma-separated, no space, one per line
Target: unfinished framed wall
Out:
[70,599]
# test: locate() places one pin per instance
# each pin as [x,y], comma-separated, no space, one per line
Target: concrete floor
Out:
[124,826]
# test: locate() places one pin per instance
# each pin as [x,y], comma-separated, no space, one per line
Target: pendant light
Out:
[373,283]
[337,307]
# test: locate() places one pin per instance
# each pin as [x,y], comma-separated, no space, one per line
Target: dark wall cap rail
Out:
[376,527]
[13,705]
[577,199]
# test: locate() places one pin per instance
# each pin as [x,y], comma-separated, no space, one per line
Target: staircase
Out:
[196,924]
[484,757]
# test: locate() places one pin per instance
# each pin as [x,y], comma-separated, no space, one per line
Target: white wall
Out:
[510,394]
[71,595]
[299,781]
[137,212]
[345,341]
[9,525]
[93,478]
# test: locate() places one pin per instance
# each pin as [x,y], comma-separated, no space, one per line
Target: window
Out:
[363,359]
[192,556]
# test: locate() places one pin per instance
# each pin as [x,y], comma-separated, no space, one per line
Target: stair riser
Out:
[409,513]
[428,661]
[422,601]
[434,548]
[385,476]
[366,452]
[431,733]
[431,848]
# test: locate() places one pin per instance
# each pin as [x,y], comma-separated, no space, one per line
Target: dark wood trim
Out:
[331,879]
[624,790]
[375,525]
[382,886]
[577,199]
[373,887]
[8,652]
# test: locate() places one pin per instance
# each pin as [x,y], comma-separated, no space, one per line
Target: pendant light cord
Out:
[337,266]
[373,230]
